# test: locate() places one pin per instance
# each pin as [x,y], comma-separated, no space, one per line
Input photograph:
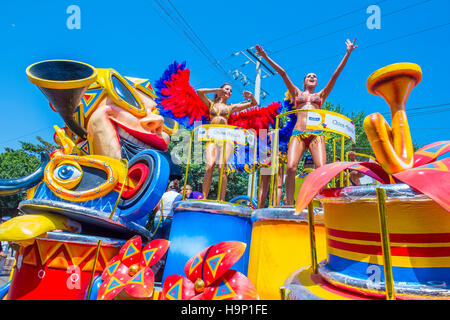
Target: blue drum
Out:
[199,224]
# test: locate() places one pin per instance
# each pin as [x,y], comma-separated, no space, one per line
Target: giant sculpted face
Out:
[120,116]
[109,119]
[110,124]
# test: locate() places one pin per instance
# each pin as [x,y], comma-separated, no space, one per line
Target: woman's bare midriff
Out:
[301,116]
[219,120]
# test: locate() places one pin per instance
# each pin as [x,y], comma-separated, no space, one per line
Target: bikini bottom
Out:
[306,136]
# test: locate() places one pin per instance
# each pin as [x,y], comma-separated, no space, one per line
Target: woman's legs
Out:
[280,183]
[263,188]
[318,151]
[295,152]
[229,150]
[210,155]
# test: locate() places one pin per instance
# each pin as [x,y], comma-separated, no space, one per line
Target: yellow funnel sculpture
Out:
[393,147]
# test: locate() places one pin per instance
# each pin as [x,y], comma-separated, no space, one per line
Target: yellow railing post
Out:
[274,162]
[187,164]
[94,265]
[347,180]
[388,276]
[253,176]
[333,181]
[342,159]
[259,190]
[224,150]
[312,237]
[357,155]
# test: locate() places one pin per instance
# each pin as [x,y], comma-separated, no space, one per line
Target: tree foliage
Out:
[19,163]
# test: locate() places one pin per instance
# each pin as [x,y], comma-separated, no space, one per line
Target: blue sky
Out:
[138,39]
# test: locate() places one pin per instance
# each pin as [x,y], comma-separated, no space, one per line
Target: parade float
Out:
[95,192]
[388,241]
[88,210]
[85,229]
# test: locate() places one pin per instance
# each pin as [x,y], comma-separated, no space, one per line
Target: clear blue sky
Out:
[138,39]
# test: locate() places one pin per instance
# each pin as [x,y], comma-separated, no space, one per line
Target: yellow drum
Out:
[279,245]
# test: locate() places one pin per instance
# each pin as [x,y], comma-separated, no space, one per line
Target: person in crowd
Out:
[164,210]
[196,195]
[188,191]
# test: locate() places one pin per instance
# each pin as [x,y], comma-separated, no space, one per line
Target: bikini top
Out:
[214,112]
[313,98]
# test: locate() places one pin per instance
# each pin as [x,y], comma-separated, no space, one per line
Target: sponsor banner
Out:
[330,121]
[226,133]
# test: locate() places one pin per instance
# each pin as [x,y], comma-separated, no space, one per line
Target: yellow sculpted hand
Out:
[26,227]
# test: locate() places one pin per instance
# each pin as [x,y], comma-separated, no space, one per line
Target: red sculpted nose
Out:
[153,122]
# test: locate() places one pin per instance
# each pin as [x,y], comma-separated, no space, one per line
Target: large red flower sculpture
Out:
[427,176]
[209,277]
[128,275]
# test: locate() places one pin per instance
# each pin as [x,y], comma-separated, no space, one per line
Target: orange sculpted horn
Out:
[393,147]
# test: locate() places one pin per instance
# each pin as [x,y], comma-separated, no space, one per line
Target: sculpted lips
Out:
[151,139]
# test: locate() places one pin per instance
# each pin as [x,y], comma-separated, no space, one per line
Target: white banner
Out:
[231,134]
[330,121]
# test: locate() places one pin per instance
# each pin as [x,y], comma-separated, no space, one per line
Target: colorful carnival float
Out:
[388,241]
[86,229]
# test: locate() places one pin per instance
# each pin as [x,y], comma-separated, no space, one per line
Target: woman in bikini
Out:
[303,140]
[220,111]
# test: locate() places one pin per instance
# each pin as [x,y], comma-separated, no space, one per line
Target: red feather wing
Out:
[256,118]
[180,101]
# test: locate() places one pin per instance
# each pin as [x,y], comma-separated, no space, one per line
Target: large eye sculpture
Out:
[68,174]
[64,173]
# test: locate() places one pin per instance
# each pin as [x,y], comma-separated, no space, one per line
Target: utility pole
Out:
[260,66]
[257,98]
[258,82]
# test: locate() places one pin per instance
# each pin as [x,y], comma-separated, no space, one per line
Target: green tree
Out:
[361,145]
[19,163]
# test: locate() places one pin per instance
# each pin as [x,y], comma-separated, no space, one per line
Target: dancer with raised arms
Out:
[301,139]
[220,112]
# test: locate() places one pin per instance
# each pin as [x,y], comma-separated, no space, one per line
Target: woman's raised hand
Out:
[260,51]
[247,94]
[350,45]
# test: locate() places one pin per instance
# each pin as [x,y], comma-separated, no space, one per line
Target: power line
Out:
[302,29]
[26,135]
[198,43]
[424,107]
[425,112]
[377,44]
[320,23]
[192,30]
[346,28]
[182,29]
[448,128]
[331,33]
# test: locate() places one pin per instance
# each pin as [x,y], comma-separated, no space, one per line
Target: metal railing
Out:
[275,150]
[222,165]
